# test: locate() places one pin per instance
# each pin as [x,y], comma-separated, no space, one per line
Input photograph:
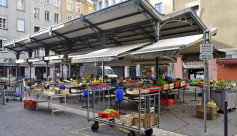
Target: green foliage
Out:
[38,81]
[38,76]
[160,82]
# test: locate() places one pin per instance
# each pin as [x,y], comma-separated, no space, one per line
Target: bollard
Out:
[225,118]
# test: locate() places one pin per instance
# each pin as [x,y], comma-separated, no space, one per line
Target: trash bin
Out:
[220,94]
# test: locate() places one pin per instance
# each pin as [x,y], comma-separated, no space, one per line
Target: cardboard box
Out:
[210,110]
[200,114]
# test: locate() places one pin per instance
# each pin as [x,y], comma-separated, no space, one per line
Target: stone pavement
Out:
[179,120]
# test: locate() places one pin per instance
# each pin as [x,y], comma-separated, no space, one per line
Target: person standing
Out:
[44,75]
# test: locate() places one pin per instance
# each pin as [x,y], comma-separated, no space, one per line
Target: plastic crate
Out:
[155,90]
[169,101]
[176,84]
[108,115]
[32,102]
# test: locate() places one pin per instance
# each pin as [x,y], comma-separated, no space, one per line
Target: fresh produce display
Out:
[160,82]
[102,86]
[225,84]
[110,111]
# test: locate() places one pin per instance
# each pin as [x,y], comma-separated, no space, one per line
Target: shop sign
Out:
[206,56]
[6,60]
[206,48]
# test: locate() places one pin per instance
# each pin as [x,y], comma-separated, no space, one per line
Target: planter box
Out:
[218,95]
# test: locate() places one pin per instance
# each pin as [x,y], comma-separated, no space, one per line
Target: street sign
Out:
[206,56]
[206,48]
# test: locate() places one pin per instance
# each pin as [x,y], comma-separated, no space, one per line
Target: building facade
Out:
[72,9]
[19,18]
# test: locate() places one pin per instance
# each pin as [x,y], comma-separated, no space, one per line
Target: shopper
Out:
[44,75]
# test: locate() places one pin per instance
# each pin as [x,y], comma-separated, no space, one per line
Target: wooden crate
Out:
[145,120]
[200,114]
[65,92]
[171,85]
[182,83]
[128,119]
[166,87]
[210,110]
[143,109]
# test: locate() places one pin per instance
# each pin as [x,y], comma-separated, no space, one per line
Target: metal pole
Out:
[62,69]
[103,73]
[225,118]
[208,83]
[30,74]
[69,69]
[157,68]
[17,73]
[204,95]
[47,63]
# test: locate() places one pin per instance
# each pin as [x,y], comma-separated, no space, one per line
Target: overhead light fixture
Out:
[35,59]
[53,57]
[21,61]
[115,37]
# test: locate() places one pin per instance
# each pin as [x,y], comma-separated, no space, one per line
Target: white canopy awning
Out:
[166,47]
[107,54]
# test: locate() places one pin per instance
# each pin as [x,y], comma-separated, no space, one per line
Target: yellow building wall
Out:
[84,10]
[220,14]
[167,5]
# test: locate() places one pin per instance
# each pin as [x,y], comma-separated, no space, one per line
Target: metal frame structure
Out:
[131,21]
[114,122]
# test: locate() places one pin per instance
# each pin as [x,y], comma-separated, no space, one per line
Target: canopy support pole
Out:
[30,55]
[47,63]
[17,66]
[62,69]
[103,73]
[157,68]
[69,69]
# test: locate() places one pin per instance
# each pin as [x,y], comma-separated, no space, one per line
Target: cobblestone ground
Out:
[180,119]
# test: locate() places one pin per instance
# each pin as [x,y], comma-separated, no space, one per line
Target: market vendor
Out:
[167,78]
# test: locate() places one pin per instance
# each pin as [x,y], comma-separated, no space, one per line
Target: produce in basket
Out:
[160,82]
[110,111]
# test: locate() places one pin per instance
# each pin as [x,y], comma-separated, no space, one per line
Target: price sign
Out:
[206,48]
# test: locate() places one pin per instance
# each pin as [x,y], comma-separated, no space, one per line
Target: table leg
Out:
[65,103]
[178,95]
[195,96]
[183,97]
[36,102]
[52,104]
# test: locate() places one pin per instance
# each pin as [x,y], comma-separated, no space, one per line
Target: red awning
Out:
[226,61]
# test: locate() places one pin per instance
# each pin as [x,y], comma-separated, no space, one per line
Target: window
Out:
[114,1]
[20,25]
[2,42]
[36,29]
[69,5]
[90,9]
[37,13]
[78,7]
[69,17]
[47,15]
[100,5]
[57,3]
[47,1]
[159,7]
[20,4]
[3,22]
[106,3]
[56,18]
[3,2]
